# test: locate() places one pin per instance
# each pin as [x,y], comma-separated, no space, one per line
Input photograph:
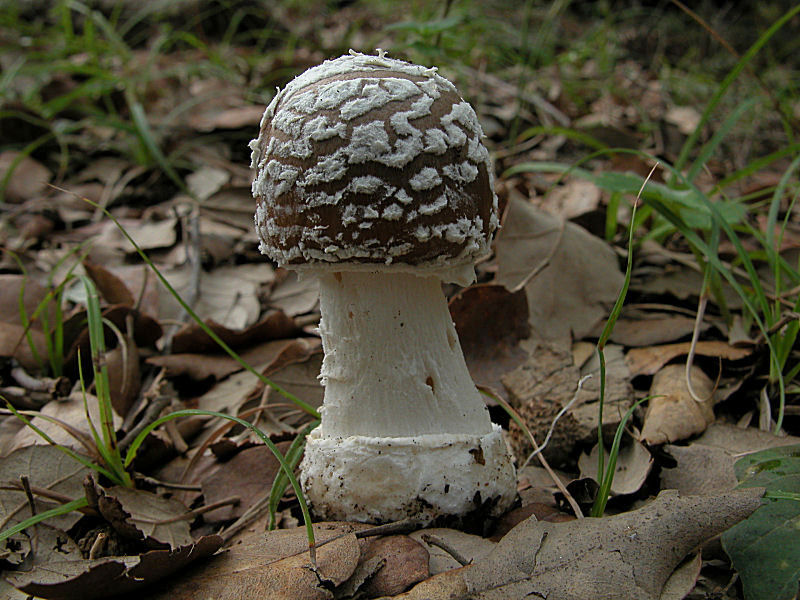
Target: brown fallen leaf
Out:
[111,576]
[631,555]
[29,179]
[111,288]
[294,295]
[571,278]
[646,328]
[648,360]
[139,514]
[706,464]
[274,325]
[33,294]
[490,321]
[672,414]
[634,462]
[274,566]
[469,546]
[69,411]
[124,375]
[274,354]
[16,343]
[404,563]
[699,469]
[248,476]
[48,468]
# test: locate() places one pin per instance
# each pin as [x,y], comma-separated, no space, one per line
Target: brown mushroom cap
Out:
[372,163]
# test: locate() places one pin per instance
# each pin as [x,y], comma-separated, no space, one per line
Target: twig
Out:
[168,484]
[98,545]
[152,413]
[433,540]
[26,486]
[232,501]
[701,311]
[58,386]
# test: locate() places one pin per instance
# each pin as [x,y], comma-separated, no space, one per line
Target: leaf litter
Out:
[527,330]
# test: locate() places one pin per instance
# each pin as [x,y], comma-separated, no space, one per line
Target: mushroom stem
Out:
[393,365]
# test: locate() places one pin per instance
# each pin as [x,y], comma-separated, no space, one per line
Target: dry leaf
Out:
[138,514]
[647,361]
[404,563]
[699,469]
[29,179]
[490,321]
[634,462]
[274,325]
[273,354]
[69,410]
[574,198]
[706,464]
[469,546]
[111,287]
[248,476]
[631,555]
[227,295]
[124,375]
[672,414]
[275,566]
[111,576]
[295,295]
[45,467]
[571,277]
[645,328]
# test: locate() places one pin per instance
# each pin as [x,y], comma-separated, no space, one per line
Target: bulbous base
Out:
[384,479]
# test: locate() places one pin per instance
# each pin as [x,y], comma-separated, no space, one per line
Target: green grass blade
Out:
[43,516]
[726,84]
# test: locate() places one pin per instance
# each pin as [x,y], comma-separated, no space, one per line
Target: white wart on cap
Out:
[371,175]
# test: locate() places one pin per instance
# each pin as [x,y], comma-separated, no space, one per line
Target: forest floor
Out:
[131,287]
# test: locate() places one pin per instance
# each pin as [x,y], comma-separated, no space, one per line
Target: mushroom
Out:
[371,175]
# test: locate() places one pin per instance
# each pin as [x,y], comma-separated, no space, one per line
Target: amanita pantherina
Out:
[371,175]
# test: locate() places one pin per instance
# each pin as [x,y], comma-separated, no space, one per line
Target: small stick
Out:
[232,501]
[26,486]
[433,540]
[98,545]
[151,414]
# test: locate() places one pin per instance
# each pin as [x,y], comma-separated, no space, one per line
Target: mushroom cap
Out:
[370,163]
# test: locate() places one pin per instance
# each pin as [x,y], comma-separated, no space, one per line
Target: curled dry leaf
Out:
[124,375]
[111,576]
[111,288]
[274,325]
[672,414]
[138,514]
[634,462]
